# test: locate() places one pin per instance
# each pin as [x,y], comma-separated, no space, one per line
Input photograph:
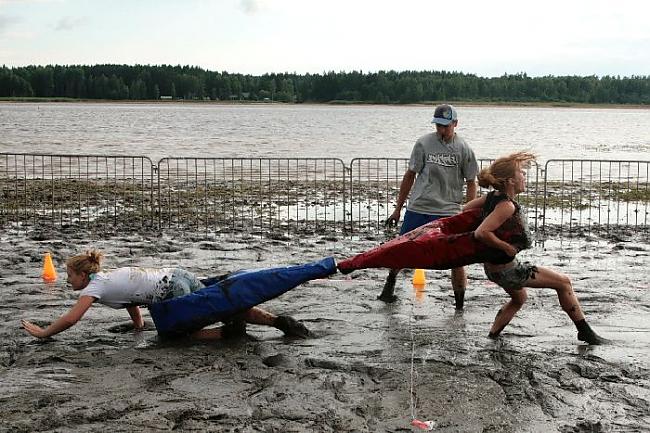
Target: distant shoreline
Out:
[351,103]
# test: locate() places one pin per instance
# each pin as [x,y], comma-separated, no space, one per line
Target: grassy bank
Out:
[334,102]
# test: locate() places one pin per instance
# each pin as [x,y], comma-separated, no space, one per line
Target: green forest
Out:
[145,82]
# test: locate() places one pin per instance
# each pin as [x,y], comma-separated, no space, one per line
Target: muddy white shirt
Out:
[123,287]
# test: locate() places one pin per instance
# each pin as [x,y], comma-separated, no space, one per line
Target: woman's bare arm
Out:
[473,204]
[485,232]
[136,316]
[62,323]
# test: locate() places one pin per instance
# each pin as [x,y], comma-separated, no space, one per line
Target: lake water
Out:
[273,130]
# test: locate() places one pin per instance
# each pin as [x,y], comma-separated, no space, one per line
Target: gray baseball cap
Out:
[444,115]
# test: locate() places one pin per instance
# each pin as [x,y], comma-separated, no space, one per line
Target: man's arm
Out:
[404,190]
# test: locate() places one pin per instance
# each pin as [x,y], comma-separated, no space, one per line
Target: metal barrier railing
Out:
[374,186]
[86,190]
[282,195]
[375,183]
[253,194]
[596,194]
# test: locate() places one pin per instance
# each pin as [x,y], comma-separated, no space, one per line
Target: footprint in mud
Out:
[584,427]
[326,364]
[279,360]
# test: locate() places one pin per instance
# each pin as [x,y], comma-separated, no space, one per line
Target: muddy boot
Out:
[590,337]
[459,298]
[586,334]
[388,294]
[291,327]
[233,329]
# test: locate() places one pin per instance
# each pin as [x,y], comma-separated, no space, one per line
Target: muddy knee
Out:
[518,297]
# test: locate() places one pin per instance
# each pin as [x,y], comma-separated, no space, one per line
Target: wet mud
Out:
[370,367]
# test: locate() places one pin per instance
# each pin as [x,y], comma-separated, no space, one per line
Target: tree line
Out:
[146,82]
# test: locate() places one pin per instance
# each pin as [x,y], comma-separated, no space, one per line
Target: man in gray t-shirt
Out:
[441,163]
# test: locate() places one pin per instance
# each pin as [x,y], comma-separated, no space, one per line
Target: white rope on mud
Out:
[415,422]
[412,380]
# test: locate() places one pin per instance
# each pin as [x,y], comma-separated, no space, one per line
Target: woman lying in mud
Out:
[183,304]
[507,177]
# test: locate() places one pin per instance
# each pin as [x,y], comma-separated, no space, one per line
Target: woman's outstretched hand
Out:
[33,329]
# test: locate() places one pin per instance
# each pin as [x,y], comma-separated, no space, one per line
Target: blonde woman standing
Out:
[507,177]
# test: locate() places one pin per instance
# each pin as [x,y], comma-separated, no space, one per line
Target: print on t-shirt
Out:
[443,159]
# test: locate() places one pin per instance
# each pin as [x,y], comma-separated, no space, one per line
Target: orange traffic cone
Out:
[49,273]
[419,277]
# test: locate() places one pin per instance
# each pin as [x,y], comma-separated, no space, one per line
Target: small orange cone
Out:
[419,281]
[49,273]
[419,277]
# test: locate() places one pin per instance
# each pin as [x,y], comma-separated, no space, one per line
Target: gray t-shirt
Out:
[442,170]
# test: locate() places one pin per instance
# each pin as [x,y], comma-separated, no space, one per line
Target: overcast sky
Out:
[483,37]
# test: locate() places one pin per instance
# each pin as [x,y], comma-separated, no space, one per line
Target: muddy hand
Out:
[390,222]
[33,329]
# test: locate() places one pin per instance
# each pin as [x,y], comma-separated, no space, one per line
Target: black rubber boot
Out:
[388,293]
[586,334]
[233,329]
[459,298]
[291,327]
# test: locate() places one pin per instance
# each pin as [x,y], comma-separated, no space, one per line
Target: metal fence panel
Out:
[375,183]
[281,195]
[596,194]
[80,190]
[374,186]
[253,194]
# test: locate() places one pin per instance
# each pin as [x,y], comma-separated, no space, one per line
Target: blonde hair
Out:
[86,263]
[504,168]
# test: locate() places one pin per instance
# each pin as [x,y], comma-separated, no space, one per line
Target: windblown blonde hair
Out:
[86,263]
[504,168]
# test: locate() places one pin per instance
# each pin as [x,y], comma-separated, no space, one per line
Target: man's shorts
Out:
[181,283]
[413,220]
[513,278]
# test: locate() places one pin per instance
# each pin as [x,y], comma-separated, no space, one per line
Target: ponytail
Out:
[87,263]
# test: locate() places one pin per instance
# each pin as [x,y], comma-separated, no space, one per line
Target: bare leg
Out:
[207,334]
[258,316]
[459,283]
[388,293]
[548,278]
[287,324]
[508,311]
[237,326]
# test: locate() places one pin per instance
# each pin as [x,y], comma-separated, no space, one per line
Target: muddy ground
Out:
[371,367]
